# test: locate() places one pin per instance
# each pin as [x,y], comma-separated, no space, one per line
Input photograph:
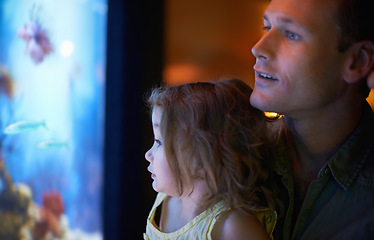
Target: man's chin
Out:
[261,102]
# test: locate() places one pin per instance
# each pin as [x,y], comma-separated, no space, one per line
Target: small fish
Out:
[24,126]
[52,144]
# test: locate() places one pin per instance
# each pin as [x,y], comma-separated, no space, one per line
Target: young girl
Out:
[210,164]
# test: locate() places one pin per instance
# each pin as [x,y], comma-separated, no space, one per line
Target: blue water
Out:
[66,90]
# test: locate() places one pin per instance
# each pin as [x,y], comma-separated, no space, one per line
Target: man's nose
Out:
[265,47]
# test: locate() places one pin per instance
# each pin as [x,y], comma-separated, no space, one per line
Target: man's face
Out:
[298,67]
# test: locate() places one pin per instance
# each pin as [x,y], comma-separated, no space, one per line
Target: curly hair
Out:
[212,132]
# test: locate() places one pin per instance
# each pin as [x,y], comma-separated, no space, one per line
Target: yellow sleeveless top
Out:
[201,226]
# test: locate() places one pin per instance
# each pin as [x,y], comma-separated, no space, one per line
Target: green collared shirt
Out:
[339,204]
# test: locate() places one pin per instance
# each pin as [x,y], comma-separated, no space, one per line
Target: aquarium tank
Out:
[52,86]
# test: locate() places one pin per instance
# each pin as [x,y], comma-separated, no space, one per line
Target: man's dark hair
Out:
[355,21]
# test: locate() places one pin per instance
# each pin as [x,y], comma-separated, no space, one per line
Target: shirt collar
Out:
[347,162]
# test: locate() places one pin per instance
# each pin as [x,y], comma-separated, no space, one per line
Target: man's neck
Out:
[315,140]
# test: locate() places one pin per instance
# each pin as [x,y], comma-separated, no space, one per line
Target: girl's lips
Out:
[152,174]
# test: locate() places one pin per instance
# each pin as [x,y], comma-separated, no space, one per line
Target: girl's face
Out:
[163,179]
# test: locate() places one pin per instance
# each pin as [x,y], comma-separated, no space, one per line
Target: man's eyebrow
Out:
[282,19]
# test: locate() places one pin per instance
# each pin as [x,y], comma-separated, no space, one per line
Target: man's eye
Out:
[292,36]
[267,28]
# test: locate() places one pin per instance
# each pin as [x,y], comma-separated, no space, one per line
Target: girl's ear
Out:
[360,61]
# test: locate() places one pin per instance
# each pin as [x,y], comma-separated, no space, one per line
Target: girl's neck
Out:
[178,211]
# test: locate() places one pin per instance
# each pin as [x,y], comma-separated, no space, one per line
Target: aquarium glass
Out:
[52,84]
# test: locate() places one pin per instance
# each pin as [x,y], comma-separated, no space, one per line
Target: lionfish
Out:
[38,44]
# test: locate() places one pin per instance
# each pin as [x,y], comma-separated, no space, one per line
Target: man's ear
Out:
[371,80]
[360,61]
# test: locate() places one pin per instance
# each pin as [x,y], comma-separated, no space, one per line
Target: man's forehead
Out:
[314,6]
[299,12]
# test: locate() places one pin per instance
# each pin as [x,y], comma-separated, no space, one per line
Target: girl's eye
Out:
[292,36]
[158,143]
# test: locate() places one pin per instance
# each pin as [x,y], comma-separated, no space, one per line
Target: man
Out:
[312,66]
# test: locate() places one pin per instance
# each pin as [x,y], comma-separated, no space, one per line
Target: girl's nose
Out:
[148,155]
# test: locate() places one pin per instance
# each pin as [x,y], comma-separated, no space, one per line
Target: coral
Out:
[14,213]
[50,216]
[21,218]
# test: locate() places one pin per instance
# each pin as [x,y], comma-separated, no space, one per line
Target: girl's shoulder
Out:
[237,224]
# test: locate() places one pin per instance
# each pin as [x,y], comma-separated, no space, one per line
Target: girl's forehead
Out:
[156,116]
[156,113]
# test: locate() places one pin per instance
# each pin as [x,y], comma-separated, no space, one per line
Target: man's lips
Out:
[264,75]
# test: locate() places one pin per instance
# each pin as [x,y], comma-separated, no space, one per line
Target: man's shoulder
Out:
[366,175]
[365,142]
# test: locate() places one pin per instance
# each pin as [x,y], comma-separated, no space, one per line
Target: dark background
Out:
[134,65]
